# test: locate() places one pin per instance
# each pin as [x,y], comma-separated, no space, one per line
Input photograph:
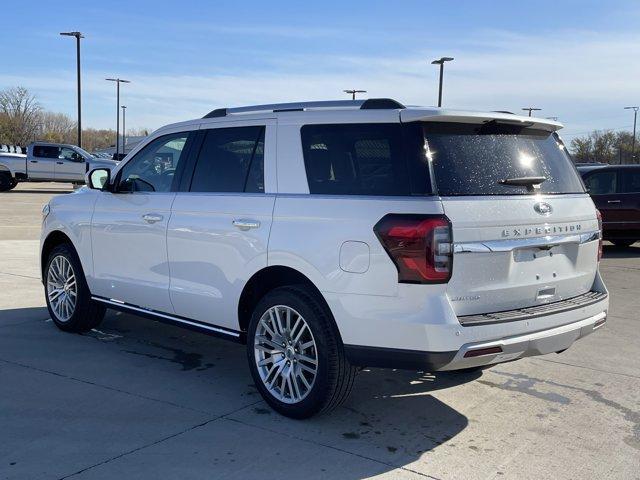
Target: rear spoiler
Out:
[461,116]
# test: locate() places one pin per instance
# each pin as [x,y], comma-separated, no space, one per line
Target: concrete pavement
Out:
[138,399]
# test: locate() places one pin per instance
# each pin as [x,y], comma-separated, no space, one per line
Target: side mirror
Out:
[98,179]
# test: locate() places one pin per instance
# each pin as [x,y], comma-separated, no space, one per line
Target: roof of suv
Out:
[368,106]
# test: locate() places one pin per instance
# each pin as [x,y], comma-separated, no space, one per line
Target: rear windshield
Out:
[471,159]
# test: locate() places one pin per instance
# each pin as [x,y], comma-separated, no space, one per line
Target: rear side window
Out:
[46,151]
[472,159]
[365,159]
[630,181]
[231,160]
[601,183]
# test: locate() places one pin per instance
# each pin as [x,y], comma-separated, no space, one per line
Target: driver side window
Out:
[70,154]
[152,169]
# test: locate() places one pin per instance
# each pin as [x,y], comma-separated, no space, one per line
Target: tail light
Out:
[599,216]
[419,246]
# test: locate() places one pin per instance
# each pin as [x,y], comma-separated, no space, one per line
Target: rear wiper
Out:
[532,183]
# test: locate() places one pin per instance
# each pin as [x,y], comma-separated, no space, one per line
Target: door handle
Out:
[33,161]
[152,217]
[613,201]
[245,224]
[60,163]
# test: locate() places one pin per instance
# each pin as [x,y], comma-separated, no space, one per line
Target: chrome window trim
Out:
[510,244]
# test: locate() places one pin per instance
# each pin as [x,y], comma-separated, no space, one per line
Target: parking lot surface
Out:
[138,399]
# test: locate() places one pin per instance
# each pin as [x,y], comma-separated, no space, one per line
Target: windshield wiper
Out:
[532,183]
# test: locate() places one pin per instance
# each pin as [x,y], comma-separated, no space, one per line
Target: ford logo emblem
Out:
[543,208]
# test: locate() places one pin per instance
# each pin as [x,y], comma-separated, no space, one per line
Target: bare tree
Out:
[20,113]
[603,146]
[57,127]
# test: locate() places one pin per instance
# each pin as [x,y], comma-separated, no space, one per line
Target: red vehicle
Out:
[615,190]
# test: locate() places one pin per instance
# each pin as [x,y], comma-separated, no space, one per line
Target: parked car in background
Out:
[48,162]
[329,236]
[615,189]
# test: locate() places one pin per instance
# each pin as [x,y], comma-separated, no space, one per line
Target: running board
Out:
[172,319]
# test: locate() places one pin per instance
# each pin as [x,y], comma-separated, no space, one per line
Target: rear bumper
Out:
[529,345]
[510,348]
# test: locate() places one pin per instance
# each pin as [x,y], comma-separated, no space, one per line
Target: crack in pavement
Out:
[332,447]
[156,442]
[21,276]
[586,368]
[106,387]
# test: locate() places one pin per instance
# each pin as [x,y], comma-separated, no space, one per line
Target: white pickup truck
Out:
[48,162]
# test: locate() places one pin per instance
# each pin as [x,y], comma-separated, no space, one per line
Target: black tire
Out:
[6,181]
[87,314]
[335,376]
[623,243]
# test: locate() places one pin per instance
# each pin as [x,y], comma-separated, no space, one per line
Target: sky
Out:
[577,60]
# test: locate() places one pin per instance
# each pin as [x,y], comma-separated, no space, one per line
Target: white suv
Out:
[329,236]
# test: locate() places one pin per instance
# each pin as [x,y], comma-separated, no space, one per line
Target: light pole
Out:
[353,93]
[633,141]
[78,36]
[118,82]
[531,109]
[441,63]
[124,128]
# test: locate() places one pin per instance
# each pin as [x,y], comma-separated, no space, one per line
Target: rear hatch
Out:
[524,231]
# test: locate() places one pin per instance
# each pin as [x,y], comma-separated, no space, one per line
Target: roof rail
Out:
[369,104]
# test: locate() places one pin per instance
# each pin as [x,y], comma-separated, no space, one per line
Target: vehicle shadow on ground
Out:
[612,251]
[388,422]
[51,192]
[20,315]
[391,415]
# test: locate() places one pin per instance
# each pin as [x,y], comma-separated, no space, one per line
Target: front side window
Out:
[70,155]
[601,183]
[385,159]
[231,160]
[153,168]
[630,181]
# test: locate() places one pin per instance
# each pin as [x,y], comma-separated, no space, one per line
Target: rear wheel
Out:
[6,181]
[623,243]
[68,297]
[295,354]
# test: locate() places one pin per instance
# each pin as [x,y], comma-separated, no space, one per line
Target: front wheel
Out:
[623,243]
[295,355]
[68,297]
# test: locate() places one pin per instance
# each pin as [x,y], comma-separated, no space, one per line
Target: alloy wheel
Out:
[62,288]
[286,354]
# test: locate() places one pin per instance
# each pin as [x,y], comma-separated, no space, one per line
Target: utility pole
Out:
[78,36]
[633,141]
[118,82]
[441,62]
[353,93]
[531,109]
[124,128]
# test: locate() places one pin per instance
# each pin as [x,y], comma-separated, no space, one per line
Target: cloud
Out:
[583,77]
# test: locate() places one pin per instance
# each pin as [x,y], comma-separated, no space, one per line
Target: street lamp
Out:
[633,141]
[531,109]
[441,63]
[124,128]
[118,82]
[78,36]
[353,93]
